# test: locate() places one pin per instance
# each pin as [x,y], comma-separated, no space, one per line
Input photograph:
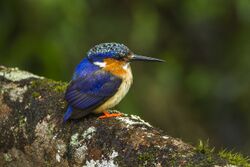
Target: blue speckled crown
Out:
[106,50]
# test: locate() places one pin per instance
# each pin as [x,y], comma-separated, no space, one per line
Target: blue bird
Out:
[101,80]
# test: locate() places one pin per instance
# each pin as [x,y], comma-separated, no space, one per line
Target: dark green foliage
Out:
[235,158]
[228,156]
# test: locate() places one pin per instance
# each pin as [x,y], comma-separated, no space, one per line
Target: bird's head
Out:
[106,52]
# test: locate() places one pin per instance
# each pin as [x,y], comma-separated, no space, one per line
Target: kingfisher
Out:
[101,80]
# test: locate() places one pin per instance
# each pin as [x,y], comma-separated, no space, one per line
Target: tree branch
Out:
[32,132]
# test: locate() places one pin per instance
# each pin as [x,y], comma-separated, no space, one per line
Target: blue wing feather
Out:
[67,114]
[92,90]
[84,68]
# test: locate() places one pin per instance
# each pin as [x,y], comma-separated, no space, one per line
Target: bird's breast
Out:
[127,80]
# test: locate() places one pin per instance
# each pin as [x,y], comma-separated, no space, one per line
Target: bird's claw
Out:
[108,115]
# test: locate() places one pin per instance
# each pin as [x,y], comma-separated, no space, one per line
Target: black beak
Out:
[135,57]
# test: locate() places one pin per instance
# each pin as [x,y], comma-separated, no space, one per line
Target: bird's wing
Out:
[92,90]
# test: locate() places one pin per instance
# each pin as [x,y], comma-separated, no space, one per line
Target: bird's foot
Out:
[108,115]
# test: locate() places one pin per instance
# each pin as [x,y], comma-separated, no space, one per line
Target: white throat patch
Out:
[100,64]
[126,66]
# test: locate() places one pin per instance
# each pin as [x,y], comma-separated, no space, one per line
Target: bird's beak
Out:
[135,57]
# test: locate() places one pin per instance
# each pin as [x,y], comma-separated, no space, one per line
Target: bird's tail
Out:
[67,114]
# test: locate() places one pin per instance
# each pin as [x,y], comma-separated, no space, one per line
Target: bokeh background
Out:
[201,92]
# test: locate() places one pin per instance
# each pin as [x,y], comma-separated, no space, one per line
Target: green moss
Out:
[60,87]
[207,153]
[226,156]
[35,94]
[203,147]
[234,158]
[146,158]
[50,84]
[35,83]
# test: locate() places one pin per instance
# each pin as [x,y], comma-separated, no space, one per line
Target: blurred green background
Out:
[201,92]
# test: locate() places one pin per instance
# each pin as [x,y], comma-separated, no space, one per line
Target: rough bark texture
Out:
[32,132]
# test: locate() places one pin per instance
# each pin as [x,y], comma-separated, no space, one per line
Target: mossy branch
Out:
[32,132]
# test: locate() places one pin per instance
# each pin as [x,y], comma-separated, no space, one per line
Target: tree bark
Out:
[32,132]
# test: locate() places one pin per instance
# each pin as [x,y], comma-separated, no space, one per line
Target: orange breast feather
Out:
[115,67]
